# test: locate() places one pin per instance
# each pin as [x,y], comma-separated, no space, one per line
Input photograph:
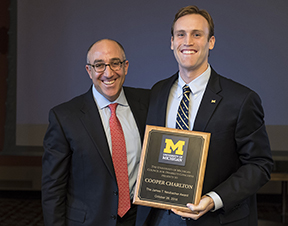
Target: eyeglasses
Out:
[114,65]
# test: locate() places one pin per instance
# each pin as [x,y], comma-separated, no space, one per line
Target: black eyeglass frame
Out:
[93,65]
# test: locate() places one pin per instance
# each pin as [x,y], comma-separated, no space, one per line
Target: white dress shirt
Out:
[197,87]
[130,130]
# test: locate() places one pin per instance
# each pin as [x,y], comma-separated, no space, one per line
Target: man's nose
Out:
[189,40]
[108,73]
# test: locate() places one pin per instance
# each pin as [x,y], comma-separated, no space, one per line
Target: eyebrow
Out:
[201,31]
[194,30]
[102,61]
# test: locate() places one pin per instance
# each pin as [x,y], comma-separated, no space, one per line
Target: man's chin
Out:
[111,96]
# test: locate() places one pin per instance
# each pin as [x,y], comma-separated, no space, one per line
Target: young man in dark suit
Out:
[80,183]
[239,157]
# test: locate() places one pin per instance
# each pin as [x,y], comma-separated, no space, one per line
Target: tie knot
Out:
[113,107]
[186,89]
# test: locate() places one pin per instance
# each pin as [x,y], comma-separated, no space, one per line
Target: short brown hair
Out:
[194,10]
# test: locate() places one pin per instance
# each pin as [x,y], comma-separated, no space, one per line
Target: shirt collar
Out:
[102,102]
[196,85]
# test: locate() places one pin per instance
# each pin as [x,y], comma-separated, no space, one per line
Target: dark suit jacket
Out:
[78,183]
[239,158]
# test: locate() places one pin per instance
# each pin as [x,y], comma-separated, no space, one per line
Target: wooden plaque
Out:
[172,168]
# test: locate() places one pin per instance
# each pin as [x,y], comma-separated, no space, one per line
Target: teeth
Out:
[189,51]
[109,82]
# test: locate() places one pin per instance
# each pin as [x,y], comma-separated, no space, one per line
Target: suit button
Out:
[115,192]
[113,217]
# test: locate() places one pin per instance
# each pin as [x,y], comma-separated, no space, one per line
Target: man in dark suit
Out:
[239,157]
[79,181]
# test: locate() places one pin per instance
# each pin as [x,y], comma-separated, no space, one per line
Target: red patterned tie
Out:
[119,158]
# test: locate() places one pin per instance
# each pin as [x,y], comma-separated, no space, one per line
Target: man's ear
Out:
[172,42]
[212,41]
[88,69]
[126,66]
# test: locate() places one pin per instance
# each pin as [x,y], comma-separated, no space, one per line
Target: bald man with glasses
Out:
[92,147]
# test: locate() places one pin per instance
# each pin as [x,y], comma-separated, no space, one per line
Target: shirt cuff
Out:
[218,204]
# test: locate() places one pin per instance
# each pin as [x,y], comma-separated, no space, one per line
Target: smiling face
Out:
[191,46]
[108,82]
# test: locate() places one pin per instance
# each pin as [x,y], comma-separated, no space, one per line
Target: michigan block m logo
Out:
[177,148]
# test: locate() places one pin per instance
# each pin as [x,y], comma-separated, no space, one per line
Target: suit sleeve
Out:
[55,171]
[253,149]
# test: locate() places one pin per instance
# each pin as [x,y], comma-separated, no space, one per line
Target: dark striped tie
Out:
[182,120]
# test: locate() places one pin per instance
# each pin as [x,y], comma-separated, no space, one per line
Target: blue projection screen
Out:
[53,37]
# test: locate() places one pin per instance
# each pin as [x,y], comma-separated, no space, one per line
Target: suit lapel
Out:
[137,109]
[209,102]
[93,124]
[164,92]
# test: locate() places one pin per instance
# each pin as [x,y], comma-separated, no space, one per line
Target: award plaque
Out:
[172,168]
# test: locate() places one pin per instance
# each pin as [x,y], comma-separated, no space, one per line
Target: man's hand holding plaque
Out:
[206,204]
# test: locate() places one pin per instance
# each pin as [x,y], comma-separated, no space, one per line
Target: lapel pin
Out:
[213,101]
